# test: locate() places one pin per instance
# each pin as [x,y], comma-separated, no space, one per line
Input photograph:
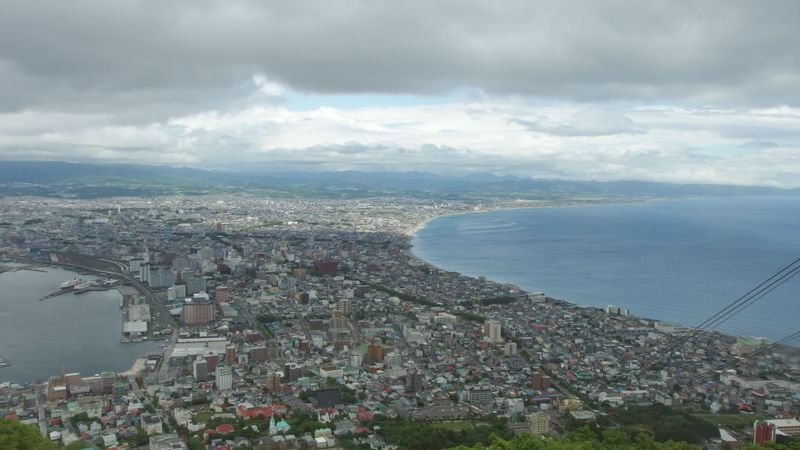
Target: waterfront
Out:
[676,260]
[79,332]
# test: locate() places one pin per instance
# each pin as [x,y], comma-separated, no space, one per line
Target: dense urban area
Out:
[303,323]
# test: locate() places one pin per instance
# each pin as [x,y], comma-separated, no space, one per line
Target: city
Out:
[310,323]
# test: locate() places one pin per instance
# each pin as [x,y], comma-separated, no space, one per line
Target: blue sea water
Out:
[80,333]
[674,260]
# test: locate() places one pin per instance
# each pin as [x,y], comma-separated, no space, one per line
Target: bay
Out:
[678,261]
[80,333]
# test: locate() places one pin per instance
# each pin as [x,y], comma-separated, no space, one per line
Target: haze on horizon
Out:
[687,92]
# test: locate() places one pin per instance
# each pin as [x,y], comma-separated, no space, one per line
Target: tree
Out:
[16,436]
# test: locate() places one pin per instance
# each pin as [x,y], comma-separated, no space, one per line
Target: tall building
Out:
[482,397]
[200,369]
[493,330]
[156,276]
[414,381]
[222,294]
[540,423]
[213,360]
[195,284]
[198,311]
[224,377]
[344,306]
[774,430]
[292,372]
[393,359]
[258,354]
[230,354]
[539,381]
[375,354]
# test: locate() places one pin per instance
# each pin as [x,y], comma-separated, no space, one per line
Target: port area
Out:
[146,305]
[79,286]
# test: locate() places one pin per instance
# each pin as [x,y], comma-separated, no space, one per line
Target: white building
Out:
[224,378]
[493,330]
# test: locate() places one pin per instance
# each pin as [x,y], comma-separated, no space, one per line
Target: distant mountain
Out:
[101,180]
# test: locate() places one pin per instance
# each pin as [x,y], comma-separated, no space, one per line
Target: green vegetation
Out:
[268,318]
[402,296]
[471,316]
[663,423]
[417,435]
[505,300]
[734,421]
[457,426]
[302,423]
[16,436]
[79,445]
[583,439]
[173,222]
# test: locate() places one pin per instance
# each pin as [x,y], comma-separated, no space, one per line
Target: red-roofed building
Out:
[265,411]
[225,428]
[364,415]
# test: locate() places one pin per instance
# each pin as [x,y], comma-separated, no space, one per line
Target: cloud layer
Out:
[687,92]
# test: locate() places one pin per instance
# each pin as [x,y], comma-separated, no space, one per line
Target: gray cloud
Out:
[151,59]
[589,122]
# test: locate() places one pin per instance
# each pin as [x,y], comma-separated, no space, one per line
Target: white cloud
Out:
[604,142]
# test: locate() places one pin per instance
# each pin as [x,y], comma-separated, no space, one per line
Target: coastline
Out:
[680,328]
[44,268]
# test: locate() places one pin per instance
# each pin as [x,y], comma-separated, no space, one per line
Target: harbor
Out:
[80,286]
[91,320]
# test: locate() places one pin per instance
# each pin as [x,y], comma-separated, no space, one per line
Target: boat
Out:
[69,284]
[82,285]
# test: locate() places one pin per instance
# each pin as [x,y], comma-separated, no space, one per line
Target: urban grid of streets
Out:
[276,306]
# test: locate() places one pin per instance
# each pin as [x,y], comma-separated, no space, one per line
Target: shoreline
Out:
[45,268]
[410,234]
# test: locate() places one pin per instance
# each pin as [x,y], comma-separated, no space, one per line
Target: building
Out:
[612,310]
[393,359]
[222,294]
[292,372]
[482,397]
[510,349]
[539,423]
[156,276]
[414,381]
[230,354]
[200,369]
[493,330]
[195,284]
[331,372]
[775,430]
[539,381]
[258,354]
[213,360]
[224,378]
[375,354]
[167,442]
[198,311]
[326,267]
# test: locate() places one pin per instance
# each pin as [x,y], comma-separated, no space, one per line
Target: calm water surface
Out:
[79,332]
[678,261]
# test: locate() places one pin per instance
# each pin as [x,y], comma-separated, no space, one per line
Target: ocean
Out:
[80,333]
[678,261]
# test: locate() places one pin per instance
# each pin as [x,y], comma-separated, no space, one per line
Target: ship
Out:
[69,284]
[82,285]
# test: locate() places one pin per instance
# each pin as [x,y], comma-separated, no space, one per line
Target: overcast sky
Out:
[680,91]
